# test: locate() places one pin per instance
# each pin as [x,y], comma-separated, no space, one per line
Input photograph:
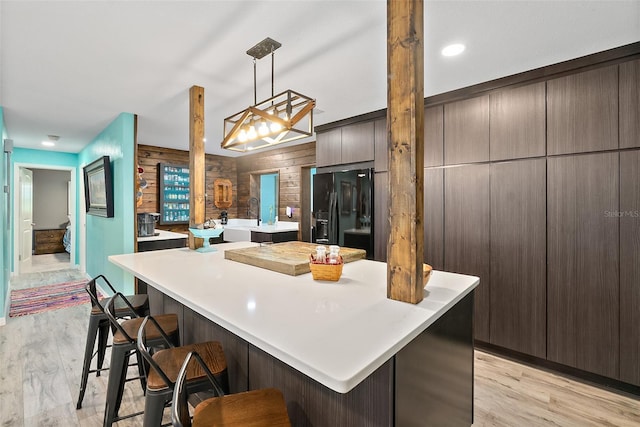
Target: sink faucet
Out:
[250,203]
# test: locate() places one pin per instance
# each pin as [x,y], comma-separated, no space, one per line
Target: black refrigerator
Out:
[343,209]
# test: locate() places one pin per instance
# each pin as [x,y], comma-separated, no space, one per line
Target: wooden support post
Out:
[405,121]
[196,162]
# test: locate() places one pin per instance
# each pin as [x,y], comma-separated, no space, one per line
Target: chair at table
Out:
[163,334]
[99,327]
[255,408]
[164,366]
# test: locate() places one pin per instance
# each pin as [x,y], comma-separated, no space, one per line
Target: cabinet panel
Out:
[381,216]
[582,112]
[381,155]
[518,256]
[357,142]
[517,122]
[329,148]
[583,256]
[434,136]
[236,350]
[630,104]
[466,131]
[630,267]
[466,233]
[434,218]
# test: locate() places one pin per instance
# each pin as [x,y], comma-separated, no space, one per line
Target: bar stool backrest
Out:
[110,311]
[146,351]
[92,290]
[179,409]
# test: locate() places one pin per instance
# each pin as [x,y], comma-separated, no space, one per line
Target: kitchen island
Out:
[341,352]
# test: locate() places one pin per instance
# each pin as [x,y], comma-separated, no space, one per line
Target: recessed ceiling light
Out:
[453,49]
[48,143]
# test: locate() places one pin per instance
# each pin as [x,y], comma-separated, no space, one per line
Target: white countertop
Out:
[163,235]
[337,333]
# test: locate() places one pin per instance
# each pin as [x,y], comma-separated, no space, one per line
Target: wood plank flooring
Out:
[41,362]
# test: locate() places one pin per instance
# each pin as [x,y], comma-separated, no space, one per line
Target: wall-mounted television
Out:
[98,188]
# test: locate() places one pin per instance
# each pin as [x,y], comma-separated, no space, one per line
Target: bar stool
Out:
[163,334]
[165,365]
[99,327]
[255,408]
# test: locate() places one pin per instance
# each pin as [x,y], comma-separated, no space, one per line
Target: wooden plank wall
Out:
[288,162]
[216,167]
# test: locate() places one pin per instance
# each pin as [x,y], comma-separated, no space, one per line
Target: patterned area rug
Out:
[49,297]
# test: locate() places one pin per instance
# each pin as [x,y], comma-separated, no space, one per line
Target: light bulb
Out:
[263,129]
[242,136]
[275,127]
[252,134]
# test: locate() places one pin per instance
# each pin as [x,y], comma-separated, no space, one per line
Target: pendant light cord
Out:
[255,91]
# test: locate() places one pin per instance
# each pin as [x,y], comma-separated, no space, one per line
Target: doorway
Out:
[44,218]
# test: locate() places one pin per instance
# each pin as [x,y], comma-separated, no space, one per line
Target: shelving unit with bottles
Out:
[174,193]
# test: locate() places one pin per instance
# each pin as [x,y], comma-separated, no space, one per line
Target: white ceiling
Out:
[70,67]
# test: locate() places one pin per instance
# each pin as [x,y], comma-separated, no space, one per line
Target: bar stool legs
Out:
[98,327]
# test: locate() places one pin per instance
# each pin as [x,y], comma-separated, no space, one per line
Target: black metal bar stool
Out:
[99,328]
[165,366]
[163,334]
[255,408]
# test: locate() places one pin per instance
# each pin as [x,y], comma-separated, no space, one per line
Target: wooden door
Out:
[582,112]
[466,234]
[329,148]
[583,262]
[466,131]
[518,256]
[518,122]
[630,266]
[381,216]
[630,104]
[357,142]
[434,136]
[434,218]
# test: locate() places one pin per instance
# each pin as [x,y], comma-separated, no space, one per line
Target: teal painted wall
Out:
[110,236]
[5,253]
[49,158]
[268,197]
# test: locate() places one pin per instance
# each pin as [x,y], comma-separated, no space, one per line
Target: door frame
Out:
[72,212]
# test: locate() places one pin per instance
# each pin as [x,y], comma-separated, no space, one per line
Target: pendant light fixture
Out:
[284,117]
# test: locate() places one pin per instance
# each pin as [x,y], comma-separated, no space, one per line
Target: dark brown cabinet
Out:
[48,241]
[466,234]
[518,256]
[381,154]
[518,122]
[466,131]
[582,112]
[329,148]
[381,218]
[434,136]
[434,218]
[630,104]
[583,262]
[630,266]
[357,142]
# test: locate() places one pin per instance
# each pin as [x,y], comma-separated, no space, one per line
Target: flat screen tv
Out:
[98,188]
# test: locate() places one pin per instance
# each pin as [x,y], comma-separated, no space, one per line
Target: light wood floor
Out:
[41,361]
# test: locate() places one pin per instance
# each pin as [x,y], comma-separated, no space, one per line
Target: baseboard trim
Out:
[585,377]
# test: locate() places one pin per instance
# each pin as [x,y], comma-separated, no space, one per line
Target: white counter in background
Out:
[163,235]
[239,230]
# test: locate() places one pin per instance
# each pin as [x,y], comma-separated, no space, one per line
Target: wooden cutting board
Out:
[290,258]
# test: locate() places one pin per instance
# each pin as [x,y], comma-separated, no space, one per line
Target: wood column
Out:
[405,125]
[196,162]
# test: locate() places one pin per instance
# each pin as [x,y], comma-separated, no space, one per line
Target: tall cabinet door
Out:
[583,259]
[630,104]
[381,218]
[518,256]
[466,233]
[434,218]
[630,267]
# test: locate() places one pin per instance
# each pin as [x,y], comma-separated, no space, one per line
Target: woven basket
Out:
[426,273]
[329,272]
